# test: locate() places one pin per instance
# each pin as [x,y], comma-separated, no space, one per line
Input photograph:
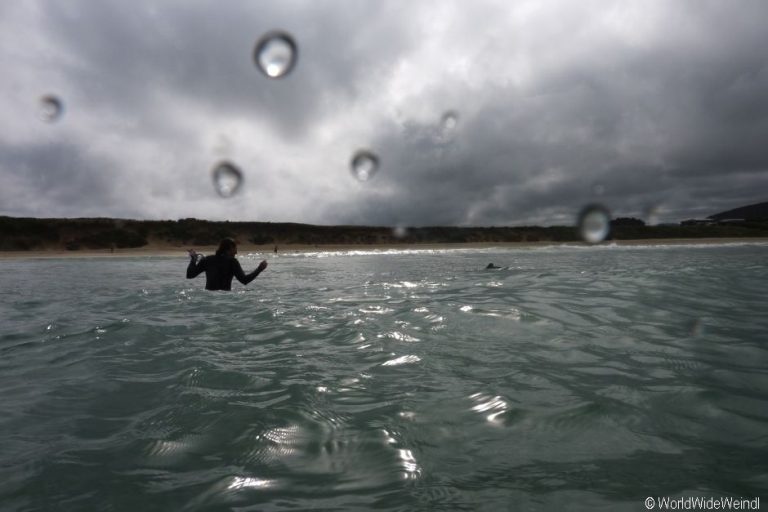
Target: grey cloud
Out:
[659,104]
[54,179]
[202,52]
[638,123]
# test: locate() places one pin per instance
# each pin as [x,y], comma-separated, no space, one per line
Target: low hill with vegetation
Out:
[20,234]
[752,212]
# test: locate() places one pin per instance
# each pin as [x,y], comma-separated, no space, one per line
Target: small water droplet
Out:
[594,223]
[276,54]
[598,189]
[400,232]
[51,108]
[652,215]
[449,121]
[364,165]
[227,179]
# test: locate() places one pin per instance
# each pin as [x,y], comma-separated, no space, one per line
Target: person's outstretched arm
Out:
[245,279]
[194,268]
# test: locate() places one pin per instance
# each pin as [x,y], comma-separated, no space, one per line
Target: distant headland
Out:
[89,234]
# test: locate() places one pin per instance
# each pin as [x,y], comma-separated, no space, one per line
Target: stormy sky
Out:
[655,109]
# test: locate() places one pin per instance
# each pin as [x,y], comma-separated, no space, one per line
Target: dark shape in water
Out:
[276,54]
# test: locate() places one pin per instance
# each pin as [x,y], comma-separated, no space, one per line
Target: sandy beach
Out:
[155,250]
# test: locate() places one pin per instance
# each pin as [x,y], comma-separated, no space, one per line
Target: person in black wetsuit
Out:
[222,267]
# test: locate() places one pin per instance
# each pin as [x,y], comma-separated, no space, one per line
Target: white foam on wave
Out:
[375,310]
[402,360]
[485,403]
[374,252]
[411,468]
[242,482]
[613,246]
[508,248]
[399,336]
[511,314]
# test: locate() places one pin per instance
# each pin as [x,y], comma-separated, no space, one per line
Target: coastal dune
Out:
[32,237]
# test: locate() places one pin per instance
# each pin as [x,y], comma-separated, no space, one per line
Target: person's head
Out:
[227,247]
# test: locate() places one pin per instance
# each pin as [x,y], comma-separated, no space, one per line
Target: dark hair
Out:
[225,246]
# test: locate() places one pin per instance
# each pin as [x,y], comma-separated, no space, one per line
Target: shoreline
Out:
[268,250]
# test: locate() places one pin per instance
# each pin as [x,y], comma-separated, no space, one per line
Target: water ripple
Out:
[402,380]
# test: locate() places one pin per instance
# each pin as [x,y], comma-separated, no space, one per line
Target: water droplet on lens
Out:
[594,223]
[275,54]
[598,189]
[400,232]
[652,215]
[51,108]
[227,179]
[364,165]
[449,121]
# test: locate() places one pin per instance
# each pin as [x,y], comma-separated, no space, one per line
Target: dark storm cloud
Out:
[203,51]
[635,105]
[54,179]
[673,124]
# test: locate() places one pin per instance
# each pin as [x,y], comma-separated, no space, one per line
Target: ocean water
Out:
[579,378]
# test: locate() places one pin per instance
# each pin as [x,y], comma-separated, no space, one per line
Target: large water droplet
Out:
[400,231]
[594,223]
[276,54]
[449,121]
[51,108]
[227,179]
[364,165]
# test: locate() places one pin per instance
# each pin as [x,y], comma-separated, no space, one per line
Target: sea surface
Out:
[573,378]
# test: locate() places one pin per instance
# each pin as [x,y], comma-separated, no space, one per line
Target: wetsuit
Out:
[219,271]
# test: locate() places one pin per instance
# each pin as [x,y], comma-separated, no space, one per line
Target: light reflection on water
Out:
[239,482]
[409,380]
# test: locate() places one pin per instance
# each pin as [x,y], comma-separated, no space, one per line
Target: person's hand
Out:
[192,254]
[262,266]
